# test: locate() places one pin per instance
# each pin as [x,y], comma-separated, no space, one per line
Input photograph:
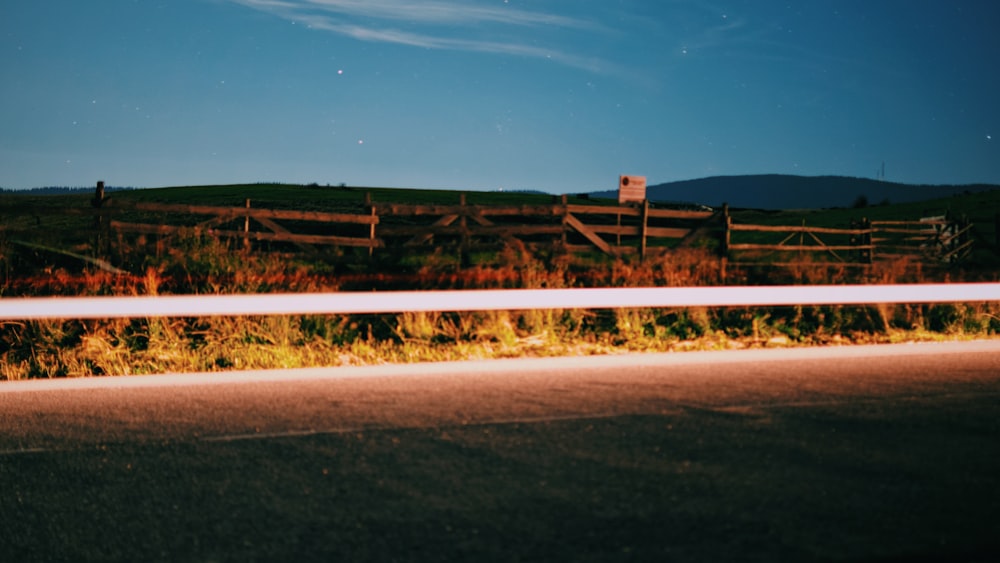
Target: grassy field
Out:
[44,254]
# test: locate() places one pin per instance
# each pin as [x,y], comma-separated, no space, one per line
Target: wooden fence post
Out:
[868,254]
[246,228]
[463,223]
[618,233]
[371,227]
[727,223]
[861,239]
[644,218]
[802,238]
[102,239]
[565,228]
[371,232]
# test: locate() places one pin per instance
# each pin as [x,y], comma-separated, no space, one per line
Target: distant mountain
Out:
[779,191]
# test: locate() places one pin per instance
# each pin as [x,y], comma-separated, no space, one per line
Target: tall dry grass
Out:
[200,265]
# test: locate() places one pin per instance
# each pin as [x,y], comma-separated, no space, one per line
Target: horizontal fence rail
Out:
[481,300]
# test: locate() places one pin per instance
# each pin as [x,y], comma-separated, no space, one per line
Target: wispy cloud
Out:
[442,12]
[440,24]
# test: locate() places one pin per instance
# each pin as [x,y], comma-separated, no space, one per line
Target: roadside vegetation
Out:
[205,265]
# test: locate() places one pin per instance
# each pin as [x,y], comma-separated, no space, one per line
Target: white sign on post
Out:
[631,188]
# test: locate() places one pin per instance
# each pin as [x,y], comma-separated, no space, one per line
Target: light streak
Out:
[26,308]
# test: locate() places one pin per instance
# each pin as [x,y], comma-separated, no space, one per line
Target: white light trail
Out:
[481,300]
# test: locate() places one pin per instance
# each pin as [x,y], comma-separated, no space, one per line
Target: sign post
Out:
[631,189]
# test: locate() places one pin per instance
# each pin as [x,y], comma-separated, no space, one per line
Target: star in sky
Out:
[587,91]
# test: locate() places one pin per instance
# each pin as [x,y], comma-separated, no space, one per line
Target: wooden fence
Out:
[932,239]
[615,230]
[852,245]
[611,229]
[267,218]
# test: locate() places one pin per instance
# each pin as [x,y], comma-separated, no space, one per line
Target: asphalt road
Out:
[869,453]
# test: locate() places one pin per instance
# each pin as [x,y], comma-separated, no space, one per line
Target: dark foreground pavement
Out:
[879,455]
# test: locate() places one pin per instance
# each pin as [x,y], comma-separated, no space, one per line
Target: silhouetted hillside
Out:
[777,191]
[59,190]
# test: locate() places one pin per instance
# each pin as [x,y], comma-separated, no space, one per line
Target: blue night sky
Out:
[554,95]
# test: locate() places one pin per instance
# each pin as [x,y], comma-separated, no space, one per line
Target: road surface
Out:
[863,453]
